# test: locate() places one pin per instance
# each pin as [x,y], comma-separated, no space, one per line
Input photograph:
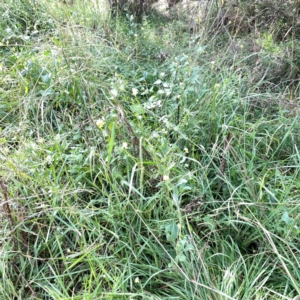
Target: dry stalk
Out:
[223,164]
[135,140]
[6,205]
[8,212]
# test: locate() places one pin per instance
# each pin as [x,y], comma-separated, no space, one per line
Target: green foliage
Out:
[22,18]
[139,162]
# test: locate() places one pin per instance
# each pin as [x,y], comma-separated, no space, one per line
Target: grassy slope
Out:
[143,163]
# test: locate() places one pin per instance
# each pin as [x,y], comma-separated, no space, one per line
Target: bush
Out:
[276,16]
[136,7]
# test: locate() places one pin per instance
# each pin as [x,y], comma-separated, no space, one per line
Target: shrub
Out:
[276,16]
[136,7]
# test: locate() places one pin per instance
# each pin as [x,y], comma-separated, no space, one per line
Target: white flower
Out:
[100,123]
[135,91]
[137,280]
[49,159]
[166,178]
[41,141]
[154,134]
[114,93]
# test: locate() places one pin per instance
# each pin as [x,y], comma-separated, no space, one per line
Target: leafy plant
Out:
[141,161]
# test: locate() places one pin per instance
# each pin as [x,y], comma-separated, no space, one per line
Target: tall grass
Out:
[134,166]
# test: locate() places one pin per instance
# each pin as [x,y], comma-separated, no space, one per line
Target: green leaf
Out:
[285,218]
[209,222]
[137,108]
[200,49]
[175,196]
[171,232]
[181,257]
[195,75]
[46,78]
[182,181]
[189,247]
[111,143]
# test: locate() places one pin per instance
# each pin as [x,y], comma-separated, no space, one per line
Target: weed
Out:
[139,161]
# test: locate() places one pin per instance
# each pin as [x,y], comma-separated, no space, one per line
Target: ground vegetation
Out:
[148,154]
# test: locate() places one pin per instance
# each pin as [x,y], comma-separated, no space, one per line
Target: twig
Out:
[29,286]
[193,206]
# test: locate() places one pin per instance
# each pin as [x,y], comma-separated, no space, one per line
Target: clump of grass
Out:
[130,170]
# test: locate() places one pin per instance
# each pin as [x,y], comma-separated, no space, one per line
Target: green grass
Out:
[143,163]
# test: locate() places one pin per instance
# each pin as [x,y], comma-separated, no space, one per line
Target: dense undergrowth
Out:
[146,161]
